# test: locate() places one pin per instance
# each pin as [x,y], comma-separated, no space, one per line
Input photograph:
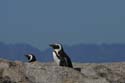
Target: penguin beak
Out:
[26,55]
[53,45]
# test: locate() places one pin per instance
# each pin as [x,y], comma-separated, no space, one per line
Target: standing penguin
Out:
[60,57]
[31,57]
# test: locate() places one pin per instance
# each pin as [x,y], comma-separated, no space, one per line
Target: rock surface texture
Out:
[36,72]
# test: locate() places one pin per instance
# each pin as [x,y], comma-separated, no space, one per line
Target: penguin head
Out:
[30,57]
[56,46]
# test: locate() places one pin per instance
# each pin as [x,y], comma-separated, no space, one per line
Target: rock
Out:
[108,72]
[36,72]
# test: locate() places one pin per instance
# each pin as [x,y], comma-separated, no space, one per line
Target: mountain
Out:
[78,53]
[16,51]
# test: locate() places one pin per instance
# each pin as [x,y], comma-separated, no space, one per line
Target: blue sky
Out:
[40,22]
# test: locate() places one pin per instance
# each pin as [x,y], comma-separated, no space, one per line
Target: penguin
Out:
[31,57]
[59,56]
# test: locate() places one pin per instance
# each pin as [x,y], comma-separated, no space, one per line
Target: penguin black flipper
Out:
[65,60]
[68,61]
[62,62]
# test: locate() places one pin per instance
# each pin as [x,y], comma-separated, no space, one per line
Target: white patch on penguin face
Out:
[59,49]
[31,57]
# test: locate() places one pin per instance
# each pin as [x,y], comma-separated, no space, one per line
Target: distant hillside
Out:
[17,51]
[78,53]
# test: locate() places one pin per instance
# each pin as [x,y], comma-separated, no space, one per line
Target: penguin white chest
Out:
[56,59]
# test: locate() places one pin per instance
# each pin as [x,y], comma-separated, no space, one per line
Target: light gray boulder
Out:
[36,72]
